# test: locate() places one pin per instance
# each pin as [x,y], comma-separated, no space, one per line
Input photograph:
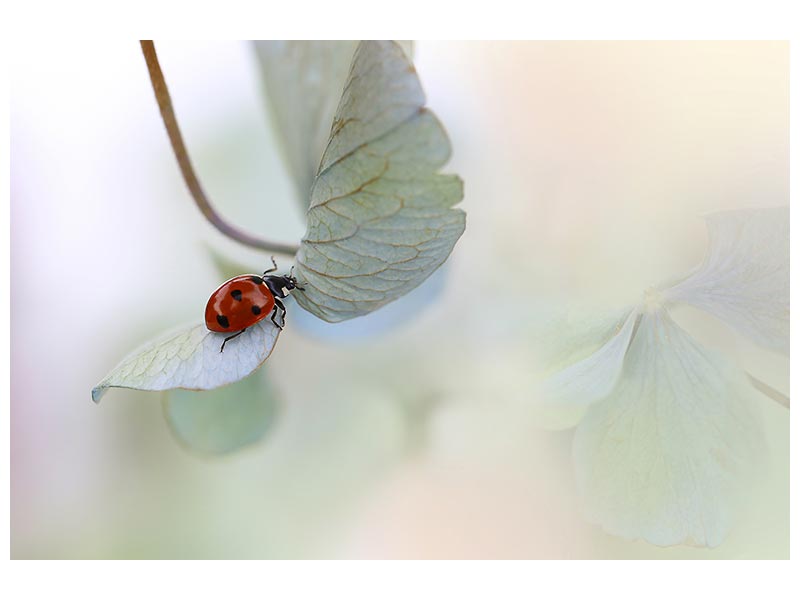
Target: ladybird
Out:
[245,300]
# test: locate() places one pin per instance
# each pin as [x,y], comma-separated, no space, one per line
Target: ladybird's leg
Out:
[275,314]
[279,304]
[230,337]
[274,266]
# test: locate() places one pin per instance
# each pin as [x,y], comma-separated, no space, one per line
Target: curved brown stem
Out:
[189,176]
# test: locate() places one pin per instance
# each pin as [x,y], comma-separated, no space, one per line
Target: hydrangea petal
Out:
[565,395]
[666,455]
[744,279]
[381,218]
[189,358]
[303,82]
[220,421]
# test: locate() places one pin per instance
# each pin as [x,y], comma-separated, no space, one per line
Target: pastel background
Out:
[587,168]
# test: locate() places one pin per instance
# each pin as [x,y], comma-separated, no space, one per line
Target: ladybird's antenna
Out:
[274,266]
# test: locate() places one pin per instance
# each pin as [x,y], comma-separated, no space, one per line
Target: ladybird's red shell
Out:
[239,303]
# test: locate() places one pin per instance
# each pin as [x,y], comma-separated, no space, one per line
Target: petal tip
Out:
[97,393]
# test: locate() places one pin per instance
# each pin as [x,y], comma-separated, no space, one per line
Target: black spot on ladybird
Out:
[237,295]
[256,309]
[256,279]
[223,321]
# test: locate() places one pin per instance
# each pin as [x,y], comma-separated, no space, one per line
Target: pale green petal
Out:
[381,218]
[222,420]
[565,395]
[574,331]
[303,82]
[190,358]
[665,456]
[744,279]
[381,92]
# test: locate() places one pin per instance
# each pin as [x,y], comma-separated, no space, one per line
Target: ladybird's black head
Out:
[281,285]
[291,281]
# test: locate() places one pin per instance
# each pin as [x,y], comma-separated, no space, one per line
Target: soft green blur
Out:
[586,168]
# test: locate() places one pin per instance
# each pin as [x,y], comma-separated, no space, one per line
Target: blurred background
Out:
[587,167]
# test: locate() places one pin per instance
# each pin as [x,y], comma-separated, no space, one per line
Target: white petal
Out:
[565,395]
[744,279]
[665,456]
[190,358]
